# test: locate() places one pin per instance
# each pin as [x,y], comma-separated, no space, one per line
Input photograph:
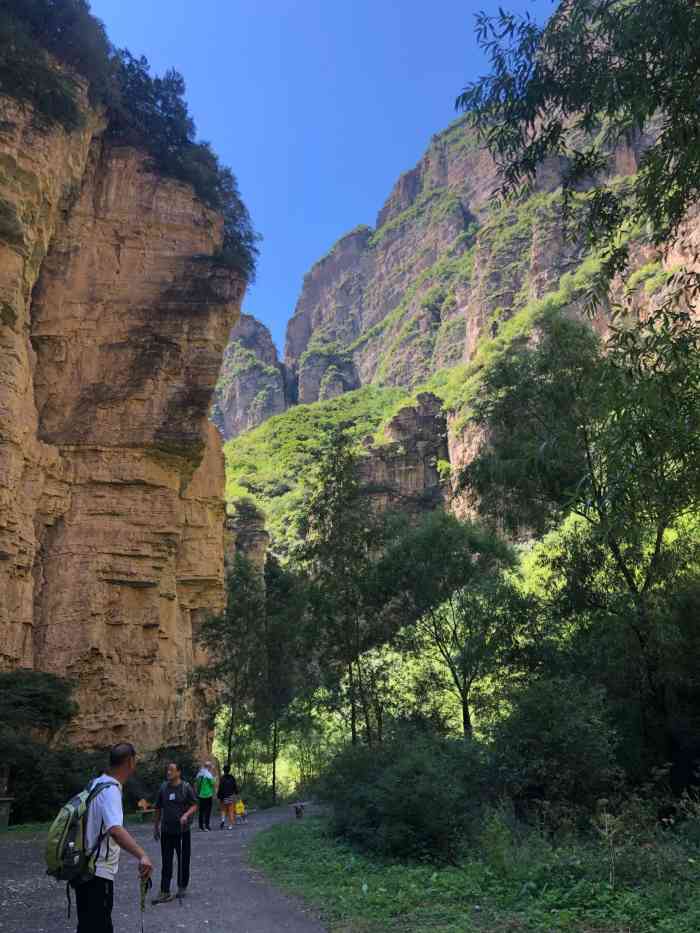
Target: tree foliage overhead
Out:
[143,110]
[599,73]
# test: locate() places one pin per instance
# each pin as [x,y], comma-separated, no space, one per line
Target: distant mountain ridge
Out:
[397,319]
[394,305]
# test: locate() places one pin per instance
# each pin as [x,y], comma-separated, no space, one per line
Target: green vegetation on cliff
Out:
[268,462]
[51,49]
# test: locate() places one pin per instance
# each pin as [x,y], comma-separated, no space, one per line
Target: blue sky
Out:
[317,105]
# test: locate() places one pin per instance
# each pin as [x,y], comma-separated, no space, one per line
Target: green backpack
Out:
[67,858]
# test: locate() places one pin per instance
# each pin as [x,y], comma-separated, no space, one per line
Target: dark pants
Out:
[204,811]
[94,900]
[175,844]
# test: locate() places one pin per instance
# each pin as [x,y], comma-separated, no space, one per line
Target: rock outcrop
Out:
[410,471]
[252,385]
[113,321]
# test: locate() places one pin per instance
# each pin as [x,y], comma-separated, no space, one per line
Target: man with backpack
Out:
[105,836]
[176,804]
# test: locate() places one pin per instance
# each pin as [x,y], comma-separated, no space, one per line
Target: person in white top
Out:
[105,828]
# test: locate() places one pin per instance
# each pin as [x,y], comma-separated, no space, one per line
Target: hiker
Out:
[104,831]
[204,785]
[228,790]
[175,806]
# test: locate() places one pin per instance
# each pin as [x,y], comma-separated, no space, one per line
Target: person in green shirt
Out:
[204,785]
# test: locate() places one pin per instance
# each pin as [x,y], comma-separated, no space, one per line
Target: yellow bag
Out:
[240,808]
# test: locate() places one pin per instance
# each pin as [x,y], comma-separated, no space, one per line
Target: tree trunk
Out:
[229,744]
[466,717]
[274,762]
[353,706]
[365,706]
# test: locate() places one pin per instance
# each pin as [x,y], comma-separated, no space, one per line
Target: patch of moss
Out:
[11,228]
[8,315]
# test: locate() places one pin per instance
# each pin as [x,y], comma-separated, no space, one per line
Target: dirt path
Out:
[225,893]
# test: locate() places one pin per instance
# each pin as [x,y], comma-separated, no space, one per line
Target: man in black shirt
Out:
[176,804]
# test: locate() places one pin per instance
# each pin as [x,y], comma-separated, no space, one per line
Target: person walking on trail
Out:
[176,804]
[105,834]
[227,793]
[205,785]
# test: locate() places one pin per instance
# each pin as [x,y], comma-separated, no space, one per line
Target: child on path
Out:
[227,793]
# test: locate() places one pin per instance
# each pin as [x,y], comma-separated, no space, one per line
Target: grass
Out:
[35,829]
[537,887]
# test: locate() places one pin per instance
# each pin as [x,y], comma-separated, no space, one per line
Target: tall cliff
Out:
[418,307]
[113,323]
[253,384]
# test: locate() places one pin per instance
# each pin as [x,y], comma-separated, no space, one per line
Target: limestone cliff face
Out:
[444,282]
[113,322]
[441,270]
[377,297]
[252,385]
[407,472]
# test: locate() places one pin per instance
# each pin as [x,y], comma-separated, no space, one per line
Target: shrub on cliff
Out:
[143,110]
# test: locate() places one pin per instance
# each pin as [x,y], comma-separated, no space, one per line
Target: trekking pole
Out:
[145,885]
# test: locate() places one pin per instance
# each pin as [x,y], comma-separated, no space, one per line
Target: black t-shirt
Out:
[172,801]
[227,787]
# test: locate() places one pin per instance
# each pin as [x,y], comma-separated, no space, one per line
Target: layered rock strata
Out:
[113,322]
[408,472]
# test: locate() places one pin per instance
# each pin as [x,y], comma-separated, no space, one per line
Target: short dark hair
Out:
[227,769]
[177,765]
[120,753]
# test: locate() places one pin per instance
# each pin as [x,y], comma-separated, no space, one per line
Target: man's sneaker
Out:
[163,898]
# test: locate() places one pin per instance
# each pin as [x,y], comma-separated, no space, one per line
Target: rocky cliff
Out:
[113,321]
[419,305]
[253,383]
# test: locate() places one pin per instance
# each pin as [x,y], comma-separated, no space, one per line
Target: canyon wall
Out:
[419,303]
[253,384]
[113,321]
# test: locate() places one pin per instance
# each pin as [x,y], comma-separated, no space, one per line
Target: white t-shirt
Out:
[104,812]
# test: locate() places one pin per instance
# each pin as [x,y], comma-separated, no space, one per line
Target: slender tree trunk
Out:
[365,706]
[466,717]
[378,712]
[275,752]
[353,705]
[230,739]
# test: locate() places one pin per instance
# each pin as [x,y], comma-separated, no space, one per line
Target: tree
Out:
[338,541]
[599,73]
[282,635]
[234,647]
[426,563]
[614,439]
[471,636]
